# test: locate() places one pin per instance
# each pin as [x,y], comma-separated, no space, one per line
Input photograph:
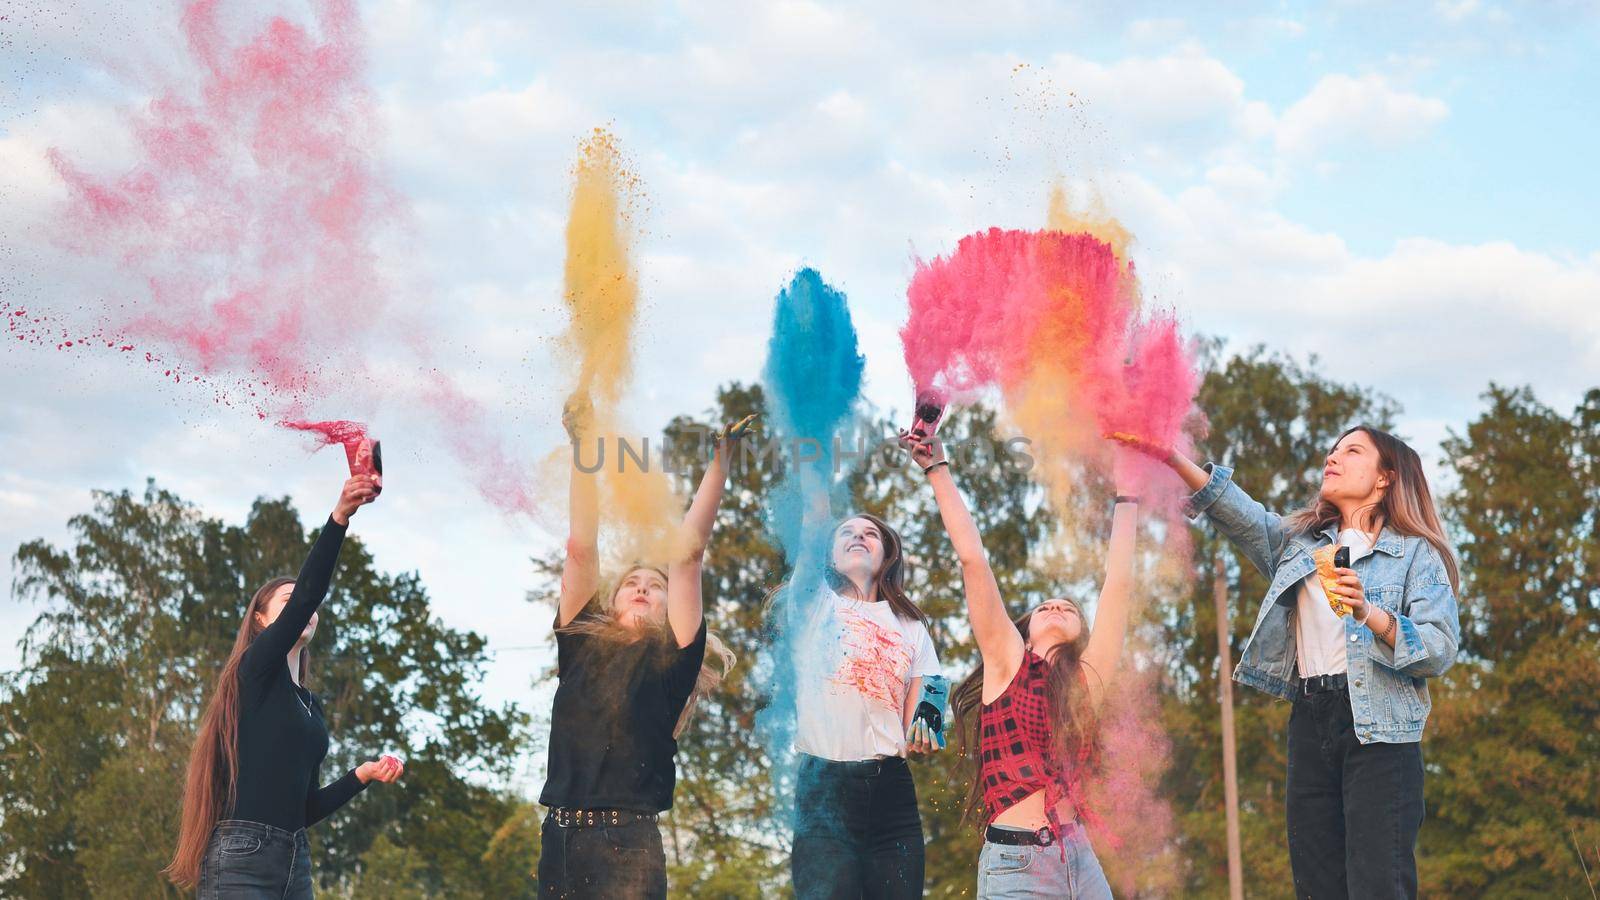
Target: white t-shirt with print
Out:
[1319,640]
[857,660]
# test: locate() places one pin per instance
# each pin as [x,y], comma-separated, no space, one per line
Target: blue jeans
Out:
[625,862]
[252,861]
[1024,872]
[857,833]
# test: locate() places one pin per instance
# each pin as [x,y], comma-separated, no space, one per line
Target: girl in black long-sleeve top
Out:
[252,787]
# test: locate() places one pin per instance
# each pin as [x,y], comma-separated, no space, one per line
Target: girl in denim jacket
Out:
[1358,675]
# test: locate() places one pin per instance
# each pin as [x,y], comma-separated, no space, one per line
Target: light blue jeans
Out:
[1007,872]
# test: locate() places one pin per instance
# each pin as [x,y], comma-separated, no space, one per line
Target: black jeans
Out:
[857,830]
[252,861]
[602,861]
[1354,809]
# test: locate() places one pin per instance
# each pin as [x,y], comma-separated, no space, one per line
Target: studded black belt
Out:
[588,818]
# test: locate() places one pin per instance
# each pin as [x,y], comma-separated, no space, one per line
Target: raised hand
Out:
[577,415]
[358,491]
[1137,442]
[925,451]
[733,434]
[1191,474]
[1125,463]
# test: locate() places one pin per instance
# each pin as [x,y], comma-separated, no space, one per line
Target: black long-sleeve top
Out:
[282,736]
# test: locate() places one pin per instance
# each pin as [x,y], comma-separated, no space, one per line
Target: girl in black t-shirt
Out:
[251,790]
[629,670]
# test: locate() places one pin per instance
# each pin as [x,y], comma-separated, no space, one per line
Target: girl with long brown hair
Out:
[1351,645]
[1026,715]
[862,651]
[629,671]
[252,789]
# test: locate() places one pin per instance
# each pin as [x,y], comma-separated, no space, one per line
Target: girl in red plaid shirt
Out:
[1035,692]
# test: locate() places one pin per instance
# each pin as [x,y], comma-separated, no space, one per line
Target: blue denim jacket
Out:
[1403,575]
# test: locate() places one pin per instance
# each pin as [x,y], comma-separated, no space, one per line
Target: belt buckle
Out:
[1044,836]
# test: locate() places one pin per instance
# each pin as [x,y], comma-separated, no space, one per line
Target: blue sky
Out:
[1404,189]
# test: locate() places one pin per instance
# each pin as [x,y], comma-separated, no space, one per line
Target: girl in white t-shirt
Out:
[863,652]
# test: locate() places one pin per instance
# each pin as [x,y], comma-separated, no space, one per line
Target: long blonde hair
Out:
[1406,506]
[719,660]
[211,786]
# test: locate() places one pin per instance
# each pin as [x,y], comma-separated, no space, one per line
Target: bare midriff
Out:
[1029,813]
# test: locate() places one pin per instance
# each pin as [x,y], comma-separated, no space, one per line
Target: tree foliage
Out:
[136,616]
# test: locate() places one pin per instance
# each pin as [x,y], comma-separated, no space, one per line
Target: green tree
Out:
[1514,767]
[136,619]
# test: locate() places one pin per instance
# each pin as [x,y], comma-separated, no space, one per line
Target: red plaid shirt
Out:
[1015,743]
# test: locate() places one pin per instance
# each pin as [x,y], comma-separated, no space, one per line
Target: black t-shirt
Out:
[611,743]
[282,736]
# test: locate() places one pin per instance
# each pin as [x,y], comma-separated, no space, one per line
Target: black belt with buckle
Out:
[588,818]
[1319,684]
[1011,836]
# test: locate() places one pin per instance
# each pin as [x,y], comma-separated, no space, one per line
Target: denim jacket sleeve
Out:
[1428,628]
[1257,533]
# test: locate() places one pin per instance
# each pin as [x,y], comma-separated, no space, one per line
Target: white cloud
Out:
[1456,10]
[1429,322]
[768,138]
[1343,108]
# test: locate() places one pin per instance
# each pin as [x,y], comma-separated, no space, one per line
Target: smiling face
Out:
[858,549]
[641,598]
[273,607]
[1055,621]
[1353,472]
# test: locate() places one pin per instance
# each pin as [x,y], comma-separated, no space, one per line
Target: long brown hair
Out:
[719,660]
[211,786]
[1406,506]
[1072,718]
[891,577]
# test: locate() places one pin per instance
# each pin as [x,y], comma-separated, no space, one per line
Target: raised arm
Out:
[816,517]
[273,644]
[1257,532]
[999,642]
[580,570]
[1100,658]
[685,608]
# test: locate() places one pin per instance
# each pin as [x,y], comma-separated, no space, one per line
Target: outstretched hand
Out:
[925,450]
[386,769]
[358,491]
[1140,444]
